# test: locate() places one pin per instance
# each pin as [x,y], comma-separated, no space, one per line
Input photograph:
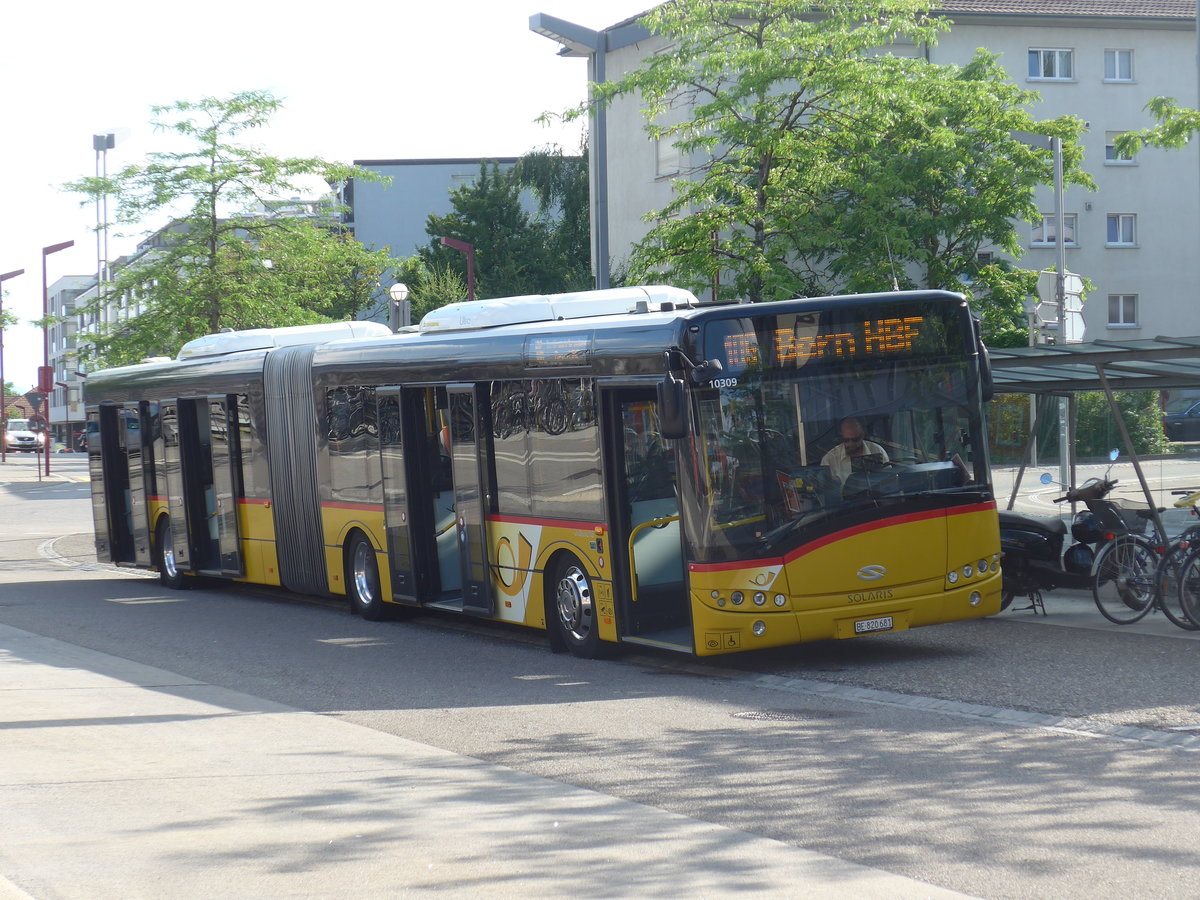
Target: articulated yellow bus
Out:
[620,466]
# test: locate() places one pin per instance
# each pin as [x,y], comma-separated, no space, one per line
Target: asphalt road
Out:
[1018,756]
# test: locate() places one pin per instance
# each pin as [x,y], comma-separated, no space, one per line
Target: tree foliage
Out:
[560,184]
[208,269]
[1096,428]
[1175,126]
[815,163]
[429,287]
[517,252]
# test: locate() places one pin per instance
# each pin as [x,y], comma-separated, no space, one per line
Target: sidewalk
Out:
[27,467]
[121,781]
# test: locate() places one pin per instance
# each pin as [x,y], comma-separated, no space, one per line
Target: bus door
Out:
[647,545]
[211,484]
[105,539]
[172,466]
[121,454]
[469,454]
[139,459]
[401,418]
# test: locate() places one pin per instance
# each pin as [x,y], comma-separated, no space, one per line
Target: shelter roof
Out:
[1135,365]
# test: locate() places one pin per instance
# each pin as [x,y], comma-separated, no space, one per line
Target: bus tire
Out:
[363,589]
[169,574]
[573,609]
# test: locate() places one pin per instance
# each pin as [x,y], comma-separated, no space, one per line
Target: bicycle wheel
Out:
[1189,587]
[1123,579]
[1167,582]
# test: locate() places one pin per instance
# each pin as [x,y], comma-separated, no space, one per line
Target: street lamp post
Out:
[102,143]
[3,383]
[46,251]
[463,246]
[399,316]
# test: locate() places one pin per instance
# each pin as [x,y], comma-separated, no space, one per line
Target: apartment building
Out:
[1134,238]
[64,405]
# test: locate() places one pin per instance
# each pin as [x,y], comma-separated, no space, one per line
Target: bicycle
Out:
[1188,587]
[1124,572]
[1168,577]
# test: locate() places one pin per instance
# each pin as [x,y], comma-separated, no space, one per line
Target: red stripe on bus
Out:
[549,523]
[369,507]
[845,533]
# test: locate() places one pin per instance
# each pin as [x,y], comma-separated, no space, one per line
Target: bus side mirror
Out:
[707,371]
[672,407]
[986,384]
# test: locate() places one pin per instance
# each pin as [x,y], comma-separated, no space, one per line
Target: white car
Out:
[19,436]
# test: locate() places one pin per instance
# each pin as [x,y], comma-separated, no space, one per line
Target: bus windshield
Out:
[821,420]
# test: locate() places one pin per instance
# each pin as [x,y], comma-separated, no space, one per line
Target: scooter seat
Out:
[1052,524]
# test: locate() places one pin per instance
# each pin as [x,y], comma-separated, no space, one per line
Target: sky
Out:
[359,80]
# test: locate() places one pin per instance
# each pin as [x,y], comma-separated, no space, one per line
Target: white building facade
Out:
[1136,238]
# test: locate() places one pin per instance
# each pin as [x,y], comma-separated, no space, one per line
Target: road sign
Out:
[1047,285]
[35,398]
[1047,310]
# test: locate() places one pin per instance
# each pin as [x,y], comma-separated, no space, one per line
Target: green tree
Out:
[1096,428]
[514,252]
[560,183]
[206,270]
[947,180]
[325,275]
[817,163]
[429,288]
[1175,126]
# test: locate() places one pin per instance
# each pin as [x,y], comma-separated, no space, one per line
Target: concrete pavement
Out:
[122,780]
[118,780]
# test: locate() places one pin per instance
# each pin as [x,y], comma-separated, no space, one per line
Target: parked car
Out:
[20,436]
[1181,421]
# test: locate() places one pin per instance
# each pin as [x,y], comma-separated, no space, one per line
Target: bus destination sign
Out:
[805,342]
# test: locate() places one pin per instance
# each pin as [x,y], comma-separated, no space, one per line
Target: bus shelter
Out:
[1066,370]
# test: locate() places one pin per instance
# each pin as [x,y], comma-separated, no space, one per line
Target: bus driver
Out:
[853,445]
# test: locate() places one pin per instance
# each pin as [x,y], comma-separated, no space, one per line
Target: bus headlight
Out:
[738,598]
[780,600]
[759,628]
[759,598]
[975,599]
[952,577]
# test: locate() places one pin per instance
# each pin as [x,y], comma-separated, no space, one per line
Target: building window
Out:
[1051,65]
[1111,156]
[1122,310]
[667,158]
[985,257]
[1044,234]
[1122,230]
[1118,65]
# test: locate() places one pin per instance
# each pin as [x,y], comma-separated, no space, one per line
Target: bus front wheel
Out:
[574,610]
[168,567]
[362,580]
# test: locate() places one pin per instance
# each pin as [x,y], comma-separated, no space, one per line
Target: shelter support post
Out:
[1026,456]
[1137,465]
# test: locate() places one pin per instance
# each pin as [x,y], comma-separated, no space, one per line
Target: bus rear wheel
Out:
[573,608]
[362,580]
[168,567]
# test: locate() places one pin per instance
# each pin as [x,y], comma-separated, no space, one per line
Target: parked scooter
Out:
[1032,546]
